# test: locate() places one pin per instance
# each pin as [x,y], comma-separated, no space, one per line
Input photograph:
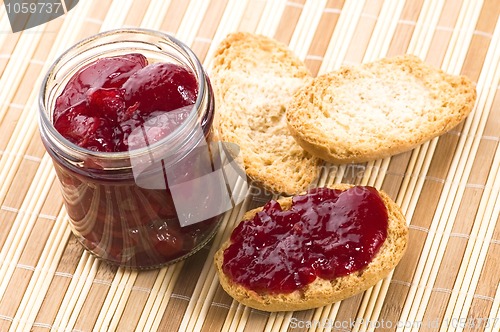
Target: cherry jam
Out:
[112,97]
[122,115]
[326,233]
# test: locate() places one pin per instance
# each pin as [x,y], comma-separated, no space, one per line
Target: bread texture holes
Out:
[251,97]
[378,109]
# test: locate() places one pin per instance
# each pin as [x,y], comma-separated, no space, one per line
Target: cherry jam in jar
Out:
[136,165]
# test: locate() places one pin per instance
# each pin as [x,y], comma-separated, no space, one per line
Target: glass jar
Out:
[152,205]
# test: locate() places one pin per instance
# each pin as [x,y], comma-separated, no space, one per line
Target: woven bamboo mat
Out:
[448,188]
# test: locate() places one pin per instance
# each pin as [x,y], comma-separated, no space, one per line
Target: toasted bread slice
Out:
[323,292]
[254,78]
[377,109]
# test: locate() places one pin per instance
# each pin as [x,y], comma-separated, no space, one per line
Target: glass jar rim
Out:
[47,124]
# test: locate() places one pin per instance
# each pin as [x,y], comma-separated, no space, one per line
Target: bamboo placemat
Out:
[448,188]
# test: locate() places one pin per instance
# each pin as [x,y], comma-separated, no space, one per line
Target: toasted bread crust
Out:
[254,77]
[323,292]
[377,109]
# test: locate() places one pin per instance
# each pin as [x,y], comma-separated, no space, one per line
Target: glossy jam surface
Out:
[326,233]
[109,100]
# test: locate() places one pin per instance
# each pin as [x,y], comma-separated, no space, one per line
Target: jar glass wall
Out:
[151,205]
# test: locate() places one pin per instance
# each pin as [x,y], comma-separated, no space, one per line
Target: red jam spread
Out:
[107,99]
[326,233]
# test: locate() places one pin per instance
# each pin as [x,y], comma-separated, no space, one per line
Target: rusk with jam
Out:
[321,292]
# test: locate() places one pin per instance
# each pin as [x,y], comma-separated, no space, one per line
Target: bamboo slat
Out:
[448,188]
